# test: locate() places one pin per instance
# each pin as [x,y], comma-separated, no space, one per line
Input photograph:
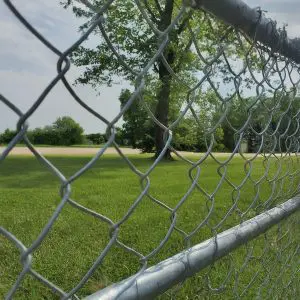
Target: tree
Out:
[67,131]
[64,131]
[7,136]
[189,134]
[128,32]
[276,116]
[96,138]
[137,128]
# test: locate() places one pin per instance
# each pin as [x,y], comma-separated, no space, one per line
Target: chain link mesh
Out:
[247,79]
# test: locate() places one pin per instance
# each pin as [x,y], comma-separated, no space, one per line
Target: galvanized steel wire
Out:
[261,67]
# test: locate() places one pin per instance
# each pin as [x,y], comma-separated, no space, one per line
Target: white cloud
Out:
[24,88]
[27,67]
[20,49]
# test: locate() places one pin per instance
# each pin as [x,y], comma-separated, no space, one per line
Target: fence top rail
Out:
[159,278]
[253,23]
[246,87]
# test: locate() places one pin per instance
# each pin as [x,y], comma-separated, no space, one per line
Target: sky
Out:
[27,66]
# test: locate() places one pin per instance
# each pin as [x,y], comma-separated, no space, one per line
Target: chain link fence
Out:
[236,238]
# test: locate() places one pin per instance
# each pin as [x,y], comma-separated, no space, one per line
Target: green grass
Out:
[63,146]
[30,194]
[60,146]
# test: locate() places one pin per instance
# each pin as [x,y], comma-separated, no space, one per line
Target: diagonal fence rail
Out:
[158,279]
[244,66]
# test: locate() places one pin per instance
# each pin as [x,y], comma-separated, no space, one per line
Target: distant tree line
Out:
[63,132]
[272,125]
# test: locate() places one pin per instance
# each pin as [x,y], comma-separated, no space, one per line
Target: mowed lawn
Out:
[29,194]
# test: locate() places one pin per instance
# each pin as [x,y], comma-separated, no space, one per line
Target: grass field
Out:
[30,193]
[60,146]
[63,146]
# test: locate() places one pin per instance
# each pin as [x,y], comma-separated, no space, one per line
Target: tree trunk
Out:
[163,96]
[161,113]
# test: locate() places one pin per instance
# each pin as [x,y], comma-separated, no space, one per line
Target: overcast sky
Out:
[27,66]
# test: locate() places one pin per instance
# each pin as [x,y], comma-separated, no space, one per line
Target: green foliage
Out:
[129,33]
[67,131]
[276,116]
[96,138]
[44,136]
[7,136]
[64,131]
[131,36]
[137,130]
[192,136]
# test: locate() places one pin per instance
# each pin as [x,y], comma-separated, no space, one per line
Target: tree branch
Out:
[153,17]
[166,17]
[158,7]
[188,46]
[184,23]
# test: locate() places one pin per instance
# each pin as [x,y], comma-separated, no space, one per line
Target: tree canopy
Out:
[126,45]
[64,131]
[127,31]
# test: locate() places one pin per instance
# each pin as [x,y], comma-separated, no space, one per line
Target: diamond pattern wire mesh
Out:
[262,86]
